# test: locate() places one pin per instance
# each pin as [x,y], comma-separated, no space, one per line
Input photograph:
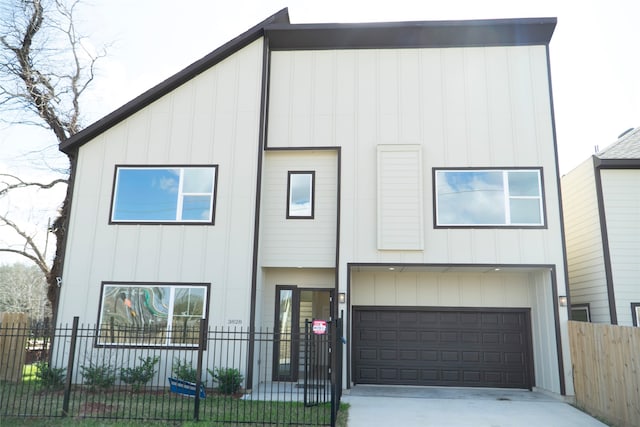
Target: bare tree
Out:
[45,67]
[22,289]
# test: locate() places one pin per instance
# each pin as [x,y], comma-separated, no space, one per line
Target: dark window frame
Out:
[134,284]
[586,307]
[214,193]
[538,169]
[634,313]
[312,194]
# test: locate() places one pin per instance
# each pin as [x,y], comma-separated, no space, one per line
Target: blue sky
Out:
[594,64]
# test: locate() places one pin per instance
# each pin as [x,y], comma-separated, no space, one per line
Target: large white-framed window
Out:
[164,194]
[151,314]
[489,197]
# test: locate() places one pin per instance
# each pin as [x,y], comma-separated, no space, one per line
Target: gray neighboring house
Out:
[601,201]
[402,173]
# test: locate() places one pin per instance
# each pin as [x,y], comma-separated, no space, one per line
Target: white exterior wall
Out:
[436,98]
[299,242]
[464,107]
[585,257]
[212,119]
[621,194]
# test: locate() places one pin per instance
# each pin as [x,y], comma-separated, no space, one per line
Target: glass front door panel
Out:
[294,307]
[285,332]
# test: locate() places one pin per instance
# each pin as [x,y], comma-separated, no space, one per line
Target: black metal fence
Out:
[81,371]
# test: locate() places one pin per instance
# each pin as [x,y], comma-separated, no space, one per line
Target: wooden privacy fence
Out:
[12,348]
[606,371]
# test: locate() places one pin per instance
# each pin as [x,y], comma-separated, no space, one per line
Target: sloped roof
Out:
[173,82]
[626,147]
[281,34]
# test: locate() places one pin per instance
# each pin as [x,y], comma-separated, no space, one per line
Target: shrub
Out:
[98,377]
[184,371]
[138,376]
[228,379]
[48,377]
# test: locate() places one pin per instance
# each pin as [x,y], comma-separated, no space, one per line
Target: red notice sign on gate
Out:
[319,327]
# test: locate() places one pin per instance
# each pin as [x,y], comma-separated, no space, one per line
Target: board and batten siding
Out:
[621,194]
[583,234]
[212,119]
[297,242]
[465,107]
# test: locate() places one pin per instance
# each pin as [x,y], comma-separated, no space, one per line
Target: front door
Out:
[294,306]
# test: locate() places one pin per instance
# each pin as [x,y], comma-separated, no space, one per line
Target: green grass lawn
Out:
[63,422]
[122,407]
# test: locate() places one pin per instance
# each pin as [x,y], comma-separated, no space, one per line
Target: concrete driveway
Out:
[373,406]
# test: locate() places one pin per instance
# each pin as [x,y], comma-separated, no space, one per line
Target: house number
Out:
[234,322]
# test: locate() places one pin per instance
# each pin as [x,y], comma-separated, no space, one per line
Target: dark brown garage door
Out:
[442,347]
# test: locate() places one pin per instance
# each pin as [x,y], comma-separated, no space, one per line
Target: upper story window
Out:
[488,197]
[151,314]
[300,190]
[167,194]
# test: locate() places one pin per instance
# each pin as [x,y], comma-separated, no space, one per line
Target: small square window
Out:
[144,194]
[580,312]
[300,190]
[151,314]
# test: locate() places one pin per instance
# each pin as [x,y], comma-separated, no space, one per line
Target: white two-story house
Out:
[402,174]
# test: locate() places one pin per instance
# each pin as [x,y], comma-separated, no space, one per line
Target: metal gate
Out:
[323,350]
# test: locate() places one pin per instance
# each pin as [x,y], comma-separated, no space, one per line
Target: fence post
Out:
[72,353]
[201,344]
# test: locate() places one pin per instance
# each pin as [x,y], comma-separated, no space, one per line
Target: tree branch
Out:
[34,255]
[23,184]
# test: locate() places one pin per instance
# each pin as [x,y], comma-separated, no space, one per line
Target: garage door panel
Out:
[470,337]
[368,334]
[490,338]
[388,335]
[458,347]
[368,354]
[429,355]
[389,374]
[429,336]
[513,338]
[409,355]
[408,317]
[449,336]
[411,336]
[409,375]
[471,356]
[388,317]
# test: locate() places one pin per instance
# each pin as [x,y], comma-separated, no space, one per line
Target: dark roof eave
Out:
[172,82]
[490,32]
[616,163]
[282,35]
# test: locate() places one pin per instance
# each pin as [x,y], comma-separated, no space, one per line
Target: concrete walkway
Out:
[372,406]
